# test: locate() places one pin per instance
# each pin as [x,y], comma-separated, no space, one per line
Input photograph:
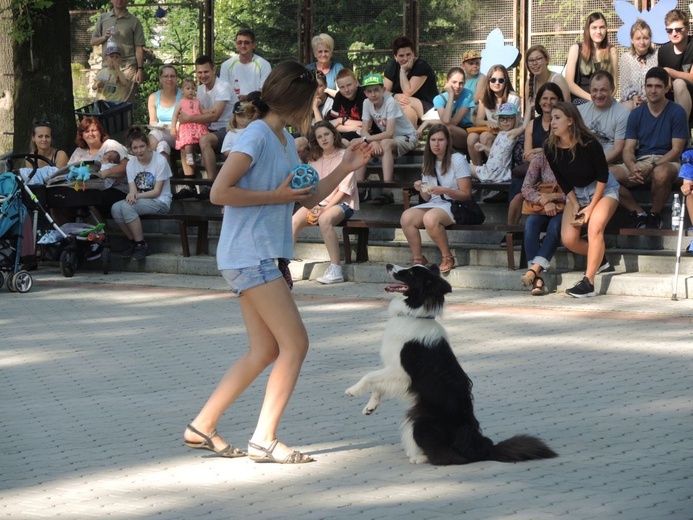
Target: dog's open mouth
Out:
[396,288]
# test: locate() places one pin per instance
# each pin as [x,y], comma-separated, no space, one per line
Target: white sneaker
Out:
[332,275]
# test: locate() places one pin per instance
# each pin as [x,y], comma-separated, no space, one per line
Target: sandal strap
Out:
[207,439]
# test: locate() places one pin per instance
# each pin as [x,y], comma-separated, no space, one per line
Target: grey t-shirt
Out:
[608,125]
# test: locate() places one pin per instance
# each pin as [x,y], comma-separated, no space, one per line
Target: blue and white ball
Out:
[304,176]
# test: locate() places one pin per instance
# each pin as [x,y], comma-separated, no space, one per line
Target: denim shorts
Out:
[348,212]
[584,195]
[246,278]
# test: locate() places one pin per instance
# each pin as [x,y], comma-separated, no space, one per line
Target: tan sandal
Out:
[538,287]
[527,279]
[419,260]
[447,264]
[228,452]
[295,457]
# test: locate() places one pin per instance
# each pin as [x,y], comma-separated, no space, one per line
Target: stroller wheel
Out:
[10,284]
[2,280]
[22,282]
[106,259]
[68,263]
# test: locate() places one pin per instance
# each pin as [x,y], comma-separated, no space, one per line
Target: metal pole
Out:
[678,249]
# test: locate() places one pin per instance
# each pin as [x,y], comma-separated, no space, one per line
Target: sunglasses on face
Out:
[677,30]
[500,81]
[473,62]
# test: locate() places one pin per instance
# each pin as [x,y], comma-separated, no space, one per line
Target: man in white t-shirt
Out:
[246,72]
[215,97]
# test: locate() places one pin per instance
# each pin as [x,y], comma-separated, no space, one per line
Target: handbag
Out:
[534,208]
[465,212]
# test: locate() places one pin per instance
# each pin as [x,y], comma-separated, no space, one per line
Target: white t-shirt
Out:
[221,91]
[459,169]
[251,76]
[230,139]
[145,176]
[250,234]
[390,109]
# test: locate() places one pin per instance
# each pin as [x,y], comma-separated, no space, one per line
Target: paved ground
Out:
[101,373]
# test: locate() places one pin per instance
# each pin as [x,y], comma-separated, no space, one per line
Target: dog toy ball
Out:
[304,176]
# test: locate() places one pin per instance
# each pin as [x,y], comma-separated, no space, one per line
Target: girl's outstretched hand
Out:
[357,155]
[285,193]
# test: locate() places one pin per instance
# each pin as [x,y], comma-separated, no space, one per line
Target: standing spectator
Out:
[633,65]
[594,53]
[215,98]
[323,46]
[161,105]
[656,135]
[411,80]
[578,162]
[125,30]
[246,72]
[676,58]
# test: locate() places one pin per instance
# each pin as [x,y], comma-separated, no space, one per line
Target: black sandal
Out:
[382,199]
[538,289]
[229,452]
[527,280]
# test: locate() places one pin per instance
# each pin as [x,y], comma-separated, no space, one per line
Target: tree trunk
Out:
[43,79]
[6,81]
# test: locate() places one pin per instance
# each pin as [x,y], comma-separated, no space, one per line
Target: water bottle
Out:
[236,87]
[675,213]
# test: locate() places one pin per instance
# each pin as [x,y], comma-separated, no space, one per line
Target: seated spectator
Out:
[241,118]
[454,107]
[42,144]
[215,97]
[539,251]
[323,46]
[607,119]
[149,192]
[323,102]
[676,58]
[327,150]
[475,81]
[656,135]
[498,91]
[633,65]
[536,133]
[686,175]
[446,176]
[497,168]
[160,105]
[109,160]
[593,54]
[110,82]
[397,135]
[537,61]
[411,80]
[348,105]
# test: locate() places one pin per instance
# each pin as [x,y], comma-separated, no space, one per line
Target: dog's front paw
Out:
[353,391]
[418,459]
[368,410]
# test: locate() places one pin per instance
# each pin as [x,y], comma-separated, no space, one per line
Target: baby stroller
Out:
[13,213]
[75,243]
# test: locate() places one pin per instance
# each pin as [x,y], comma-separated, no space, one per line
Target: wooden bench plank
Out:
[200,221]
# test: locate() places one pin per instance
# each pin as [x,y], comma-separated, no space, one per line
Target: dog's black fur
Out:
[440,426]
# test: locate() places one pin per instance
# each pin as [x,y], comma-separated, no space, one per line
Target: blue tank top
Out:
[164,115]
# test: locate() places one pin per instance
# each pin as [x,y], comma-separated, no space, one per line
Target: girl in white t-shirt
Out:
[327,151]
[446,176]
[254,186]
[149,192]
[241,118]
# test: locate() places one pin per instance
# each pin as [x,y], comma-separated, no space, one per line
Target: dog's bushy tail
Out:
[521,447]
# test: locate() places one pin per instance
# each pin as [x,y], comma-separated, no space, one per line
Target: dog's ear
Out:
[434,268]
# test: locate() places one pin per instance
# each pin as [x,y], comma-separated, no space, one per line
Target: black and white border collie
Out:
[421,369]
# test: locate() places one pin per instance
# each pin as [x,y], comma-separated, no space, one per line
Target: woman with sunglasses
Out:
[42,144]
[587,57]
[498,91]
